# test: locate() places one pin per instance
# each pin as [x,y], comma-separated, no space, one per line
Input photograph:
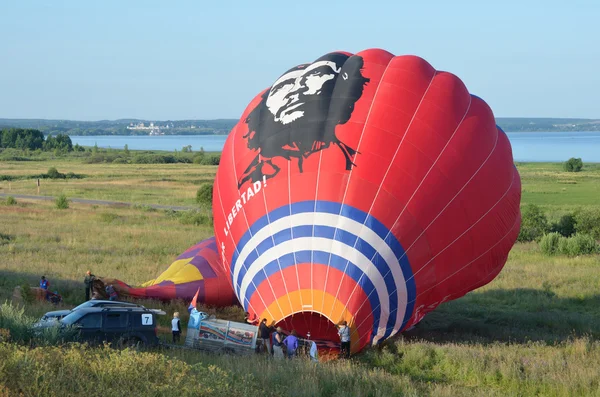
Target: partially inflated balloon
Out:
[198,269]
[368,188]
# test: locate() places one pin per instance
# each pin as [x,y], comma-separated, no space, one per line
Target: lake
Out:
[527,146]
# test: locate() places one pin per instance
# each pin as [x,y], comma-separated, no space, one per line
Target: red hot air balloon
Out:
[368,188]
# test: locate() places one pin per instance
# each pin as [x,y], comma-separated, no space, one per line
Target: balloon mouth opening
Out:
[311,325]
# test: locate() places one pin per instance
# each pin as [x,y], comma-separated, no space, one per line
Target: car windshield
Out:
[72,318]
[84,305]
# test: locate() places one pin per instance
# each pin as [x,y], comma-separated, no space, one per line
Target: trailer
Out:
[220,336]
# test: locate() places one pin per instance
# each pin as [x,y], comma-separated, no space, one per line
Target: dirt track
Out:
[96,202]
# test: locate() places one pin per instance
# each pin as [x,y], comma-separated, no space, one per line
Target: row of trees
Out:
[30,139]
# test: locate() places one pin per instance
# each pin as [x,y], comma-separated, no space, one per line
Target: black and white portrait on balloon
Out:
[298,115]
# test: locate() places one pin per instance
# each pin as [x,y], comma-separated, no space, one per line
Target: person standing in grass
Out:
[265,331]
[176,327]
[277,343]
[45,285]
[291,344]
[89,282]
[344,333]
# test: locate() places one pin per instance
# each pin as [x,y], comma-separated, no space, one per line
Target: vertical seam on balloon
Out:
[479,257]
[246,219]
[385,175]
[312,293]
[292,232]
[273,240]
[351,170]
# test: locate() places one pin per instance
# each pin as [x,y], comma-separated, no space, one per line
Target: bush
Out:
[588,222]
[54,174]
[120,160]
[204,194]
[27,293]
[10,200]
[215,159]
[565,226]
[153,159]
[5,238]
[573,165]
[578,244]
[203,159]
[199,158]
[549,243]
[62,203]
[534,223]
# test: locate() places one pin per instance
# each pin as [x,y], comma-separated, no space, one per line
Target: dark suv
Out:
[120,326]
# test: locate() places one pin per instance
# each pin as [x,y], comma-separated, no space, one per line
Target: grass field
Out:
[532,331]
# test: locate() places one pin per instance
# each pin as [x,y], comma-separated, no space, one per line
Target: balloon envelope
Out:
[197,269]
[363,187]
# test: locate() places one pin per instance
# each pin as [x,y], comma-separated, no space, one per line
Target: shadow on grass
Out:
[514,315]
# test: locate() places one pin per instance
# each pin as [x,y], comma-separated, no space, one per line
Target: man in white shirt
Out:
[176,327]
[344,333]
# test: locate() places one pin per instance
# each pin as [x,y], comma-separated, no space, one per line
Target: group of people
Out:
[280,346]
[89,288]
[276,343]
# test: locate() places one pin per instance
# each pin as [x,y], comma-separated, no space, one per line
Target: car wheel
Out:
[130,343]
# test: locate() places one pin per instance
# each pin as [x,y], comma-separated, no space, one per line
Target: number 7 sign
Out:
[146,319]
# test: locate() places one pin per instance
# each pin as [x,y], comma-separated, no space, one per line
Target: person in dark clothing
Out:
[89,282]
[265,332]
[252,321]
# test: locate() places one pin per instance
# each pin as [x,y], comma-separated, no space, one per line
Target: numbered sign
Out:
[146,319]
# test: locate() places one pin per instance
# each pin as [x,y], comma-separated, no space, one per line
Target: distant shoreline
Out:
[219,127]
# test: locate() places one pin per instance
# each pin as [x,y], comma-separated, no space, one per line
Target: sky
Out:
[173,60]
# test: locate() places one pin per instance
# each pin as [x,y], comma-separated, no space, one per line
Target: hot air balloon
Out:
[363,187]
[197,269]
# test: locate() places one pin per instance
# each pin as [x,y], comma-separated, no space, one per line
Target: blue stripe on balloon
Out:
[322,258]
[330,233]
[336,209]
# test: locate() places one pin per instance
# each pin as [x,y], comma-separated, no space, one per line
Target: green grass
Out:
[548,185]
[167,184]
[532,331]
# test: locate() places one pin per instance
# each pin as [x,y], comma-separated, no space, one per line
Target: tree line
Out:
[31,139]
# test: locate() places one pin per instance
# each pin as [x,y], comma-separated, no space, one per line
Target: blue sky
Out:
[158,60]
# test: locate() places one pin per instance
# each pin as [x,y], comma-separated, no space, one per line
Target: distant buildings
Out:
[154,129]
